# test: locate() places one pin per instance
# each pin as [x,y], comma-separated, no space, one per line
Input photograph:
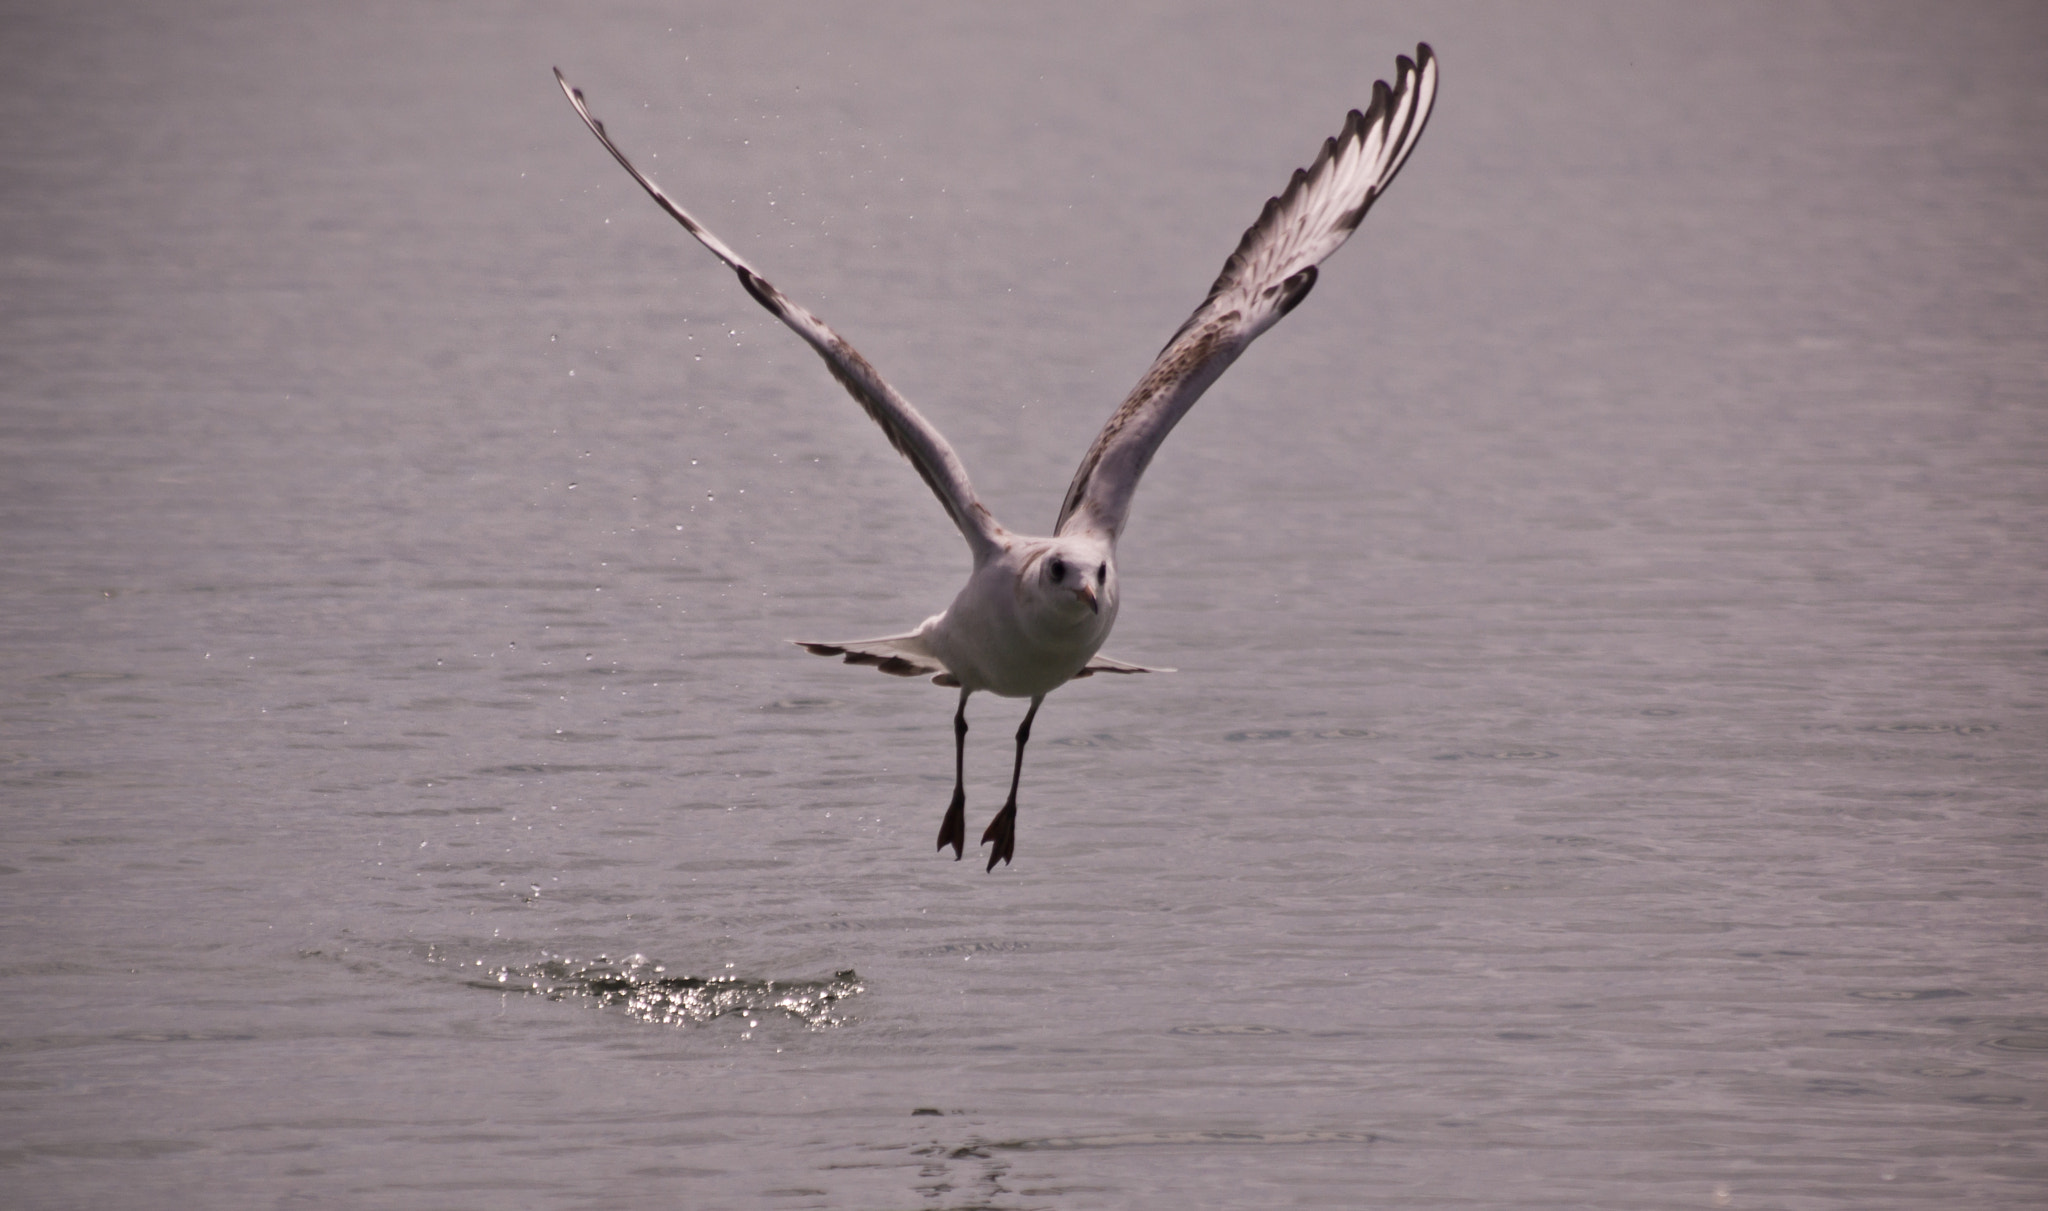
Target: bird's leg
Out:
[1003,829]
[953,829]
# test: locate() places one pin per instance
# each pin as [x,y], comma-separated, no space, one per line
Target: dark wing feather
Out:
[907,430]
[1272,270]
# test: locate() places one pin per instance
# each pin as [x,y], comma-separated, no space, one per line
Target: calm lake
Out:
[1608,761]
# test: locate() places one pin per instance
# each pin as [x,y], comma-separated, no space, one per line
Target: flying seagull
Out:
[1035,611]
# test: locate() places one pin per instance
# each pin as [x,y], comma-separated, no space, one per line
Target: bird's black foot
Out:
[953,829]
[1003,831]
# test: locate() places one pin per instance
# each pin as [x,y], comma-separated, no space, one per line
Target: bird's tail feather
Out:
[1103,664]
[897,655]
[907,656]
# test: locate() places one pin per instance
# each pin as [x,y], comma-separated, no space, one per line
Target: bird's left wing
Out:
[1268,276]
[913,436]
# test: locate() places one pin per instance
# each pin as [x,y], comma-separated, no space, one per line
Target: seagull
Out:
[1035,611]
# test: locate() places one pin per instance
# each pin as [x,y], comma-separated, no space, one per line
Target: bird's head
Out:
[1074,578]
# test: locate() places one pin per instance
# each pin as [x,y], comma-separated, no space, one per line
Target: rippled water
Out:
[1607,763]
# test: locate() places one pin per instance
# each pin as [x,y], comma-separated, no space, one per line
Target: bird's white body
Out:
[1035,612]
[1013,631]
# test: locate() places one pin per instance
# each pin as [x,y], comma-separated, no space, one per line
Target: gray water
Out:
[1607,763]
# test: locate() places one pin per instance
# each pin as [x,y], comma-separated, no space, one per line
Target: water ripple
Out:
[648,993]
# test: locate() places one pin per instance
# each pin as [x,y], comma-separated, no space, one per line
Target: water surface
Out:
[1606,764]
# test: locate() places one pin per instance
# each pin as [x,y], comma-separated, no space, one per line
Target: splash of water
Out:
[649,993]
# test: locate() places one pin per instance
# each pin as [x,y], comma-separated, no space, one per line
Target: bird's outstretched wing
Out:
[1268,276]
[907,430]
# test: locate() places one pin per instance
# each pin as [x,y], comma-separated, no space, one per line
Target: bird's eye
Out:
[1058,568]
[1102,574]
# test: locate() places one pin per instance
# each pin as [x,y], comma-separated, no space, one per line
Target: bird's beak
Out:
[1087,593]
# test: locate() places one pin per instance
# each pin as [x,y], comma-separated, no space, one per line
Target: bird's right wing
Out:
[1269,274]
[913,436]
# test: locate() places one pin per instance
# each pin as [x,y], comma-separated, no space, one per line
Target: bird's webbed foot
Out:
[1003,831]
[953,829]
